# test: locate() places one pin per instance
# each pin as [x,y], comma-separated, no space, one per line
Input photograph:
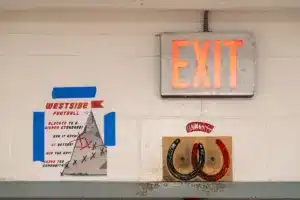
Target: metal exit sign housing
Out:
[207,64]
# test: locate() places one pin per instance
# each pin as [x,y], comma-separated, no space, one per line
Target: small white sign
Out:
[207,64]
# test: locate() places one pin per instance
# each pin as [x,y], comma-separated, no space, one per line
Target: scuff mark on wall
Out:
[146,188]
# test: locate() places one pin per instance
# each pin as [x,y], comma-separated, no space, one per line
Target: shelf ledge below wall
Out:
[53,189]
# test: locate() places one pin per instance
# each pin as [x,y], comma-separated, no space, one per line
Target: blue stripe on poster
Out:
[110,129]
[73,92]
[38,136]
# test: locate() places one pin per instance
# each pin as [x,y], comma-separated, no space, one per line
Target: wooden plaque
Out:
[216,149]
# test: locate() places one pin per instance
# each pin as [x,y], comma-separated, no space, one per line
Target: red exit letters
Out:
[201,51]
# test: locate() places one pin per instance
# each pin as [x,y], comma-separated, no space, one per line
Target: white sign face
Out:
[207,64]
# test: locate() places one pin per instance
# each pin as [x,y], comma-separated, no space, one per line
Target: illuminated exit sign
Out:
[207,64]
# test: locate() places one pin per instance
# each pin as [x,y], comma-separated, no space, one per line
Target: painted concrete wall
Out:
[119,53]
[152,4]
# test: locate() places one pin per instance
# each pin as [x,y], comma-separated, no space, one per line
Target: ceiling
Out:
[151,4]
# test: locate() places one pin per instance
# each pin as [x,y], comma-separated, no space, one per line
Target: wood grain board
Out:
[182,156]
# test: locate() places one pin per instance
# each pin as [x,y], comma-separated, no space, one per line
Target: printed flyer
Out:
[67,138]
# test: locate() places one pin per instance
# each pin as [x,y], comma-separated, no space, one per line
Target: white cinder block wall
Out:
[119,52]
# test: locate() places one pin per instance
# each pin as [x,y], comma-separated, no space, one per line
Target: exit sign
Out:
[207,64]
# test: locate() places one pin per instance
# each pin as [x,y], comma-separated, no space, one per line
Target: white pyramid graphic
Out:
[89,156]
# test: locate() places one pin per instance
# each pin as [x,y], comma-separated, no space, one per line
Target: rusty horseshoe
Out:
[198,161]
[225,166]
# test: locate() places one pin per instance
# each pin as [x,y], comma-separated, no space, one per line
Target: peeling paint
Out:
[144,188]
[207,187]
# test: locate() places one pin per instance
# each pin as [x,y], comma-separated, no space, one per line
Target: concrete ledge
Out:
[53,189]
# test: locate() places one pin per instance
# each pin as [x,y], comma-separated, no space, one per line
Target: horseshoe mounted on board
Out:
[199,163]
[225,166]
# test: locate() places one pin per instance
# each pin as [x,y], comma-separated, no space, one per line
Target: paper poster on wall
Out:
[67,137]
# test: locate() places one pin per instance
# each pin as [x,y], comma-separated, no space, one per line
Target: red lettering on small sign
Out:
[50,161]
[199,126]
[64,105]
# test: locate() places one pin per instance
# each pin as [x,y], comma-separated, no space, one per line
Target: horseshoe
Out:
[198,163]
[224,169]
